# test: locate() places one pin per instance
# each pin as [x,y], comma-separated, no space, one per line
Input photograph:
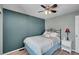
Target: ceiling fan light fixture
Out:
[49,12]
[46,12]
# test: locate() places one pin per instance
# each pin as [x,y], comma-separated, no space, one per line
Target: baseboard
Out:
[13,51]
[73,50]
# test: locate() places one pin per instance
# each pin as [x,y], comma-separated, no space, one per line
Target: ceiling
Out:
[32,9]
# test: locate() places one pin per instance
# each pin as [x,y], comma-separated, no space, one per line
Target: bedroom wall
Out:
[18,26]
[63,21]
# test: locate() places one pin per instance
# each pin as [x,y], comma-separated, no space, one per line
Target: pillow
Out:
[47,34]
[53,34]
[50,34]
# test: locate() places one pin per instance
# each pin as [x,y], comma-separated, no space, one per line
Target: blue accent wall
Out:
[17,26]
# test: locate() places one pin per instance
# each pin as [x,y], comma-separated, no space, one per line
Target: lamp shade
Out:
[67,30]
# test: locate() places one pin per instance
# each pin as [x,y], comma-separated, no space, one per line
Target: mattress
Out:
[40,44]
[49,52]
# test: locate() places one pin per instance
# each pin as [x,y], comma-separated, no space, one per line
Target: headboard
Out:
[54,30]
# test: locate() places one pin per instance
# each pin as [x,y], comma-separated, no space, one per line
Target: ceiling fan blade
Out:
[43,6]
[40,11]
[54,11]
[54,6]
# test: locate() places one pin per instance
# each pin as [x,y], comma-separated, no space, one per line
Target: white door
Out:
[77,34]
[1,31]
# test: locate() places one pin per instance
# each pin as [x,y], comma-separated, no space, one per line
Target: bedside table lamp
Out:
[67,31]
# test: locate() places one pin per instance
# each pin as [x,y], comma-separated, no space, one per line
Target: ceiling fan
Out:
[48,9]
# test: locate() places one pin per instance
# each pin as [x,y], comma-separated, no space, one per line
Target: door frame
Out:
[75,34]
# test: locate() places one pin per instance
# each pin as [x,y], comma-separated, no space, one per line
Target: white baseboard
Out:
[76,51]
[73,50]
[13,51]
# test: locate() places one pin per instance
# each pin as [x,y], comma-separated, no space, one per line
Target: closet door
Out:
[77,34]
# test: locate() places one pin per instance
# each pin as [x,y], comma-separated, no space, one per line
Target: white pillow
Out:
[50,34]
[53,34]
[47,34]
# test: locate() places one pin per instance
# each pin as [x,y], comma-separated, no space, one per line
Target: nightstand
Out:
[66,45]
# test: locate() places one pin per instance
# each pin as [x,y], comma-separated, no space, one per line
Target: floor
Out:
[58,52]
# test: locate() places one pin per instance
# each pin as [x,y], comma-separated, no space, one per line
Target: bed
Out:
[41,45]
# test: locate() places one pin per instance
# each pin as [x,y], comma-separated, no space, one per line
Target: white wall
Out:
[1,30]
[62,22]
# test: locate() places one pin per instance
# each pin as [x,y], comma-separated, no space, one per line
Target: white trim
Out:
[76,51]
[13,51]
[1,30]
[73,50]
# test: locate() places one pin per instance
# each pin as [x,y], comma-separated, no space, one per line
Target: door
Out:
[1,31]
[77,34]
